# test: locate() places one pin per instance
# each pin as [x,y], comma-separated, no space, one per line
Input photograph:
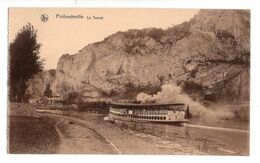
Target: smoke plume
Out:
[171,93]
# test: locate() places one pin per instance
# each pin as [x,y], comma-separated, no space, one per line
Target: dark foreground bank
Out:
[32,135]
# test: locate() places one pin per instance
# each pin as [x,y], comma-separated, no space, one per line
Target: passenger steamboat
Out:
[161,113]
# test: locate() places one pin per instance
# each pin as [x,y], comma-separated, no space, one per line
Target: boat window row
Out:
[158,112]
[148,117]
[147,112]
[150,112]
[140,116]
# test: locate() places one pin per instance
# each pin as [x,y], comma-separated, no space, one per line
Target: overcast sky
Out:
[61,36]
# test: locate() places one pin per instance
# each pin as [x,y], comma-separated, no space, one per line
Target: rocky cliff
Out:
[39,83]
[208,55]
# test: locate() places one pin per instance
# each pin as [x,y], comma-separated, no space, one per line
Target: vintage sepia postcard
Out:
[134,81]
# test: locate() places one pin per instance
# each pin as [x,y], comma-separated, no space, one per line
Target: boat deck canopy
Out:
[144,105]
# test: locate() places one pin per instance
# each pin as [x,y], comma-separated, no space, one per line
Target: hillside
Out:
[208,56]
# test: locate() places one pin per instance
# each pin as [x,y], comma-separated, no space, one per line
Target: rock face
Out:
[211,51]
[38,84]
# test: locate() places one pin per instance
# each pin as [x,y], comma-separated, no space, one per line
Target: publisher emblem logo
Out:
[44,17]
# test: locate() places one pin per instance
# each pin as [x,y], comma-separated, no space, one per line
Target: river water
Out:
[211,140]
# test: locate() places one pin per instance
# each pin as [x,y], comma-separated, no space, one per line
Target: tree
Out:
[24,61]
[48,91]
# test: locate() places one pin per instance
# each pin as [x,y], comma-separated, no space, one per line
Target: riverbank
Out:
[32,132]
[89,133]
